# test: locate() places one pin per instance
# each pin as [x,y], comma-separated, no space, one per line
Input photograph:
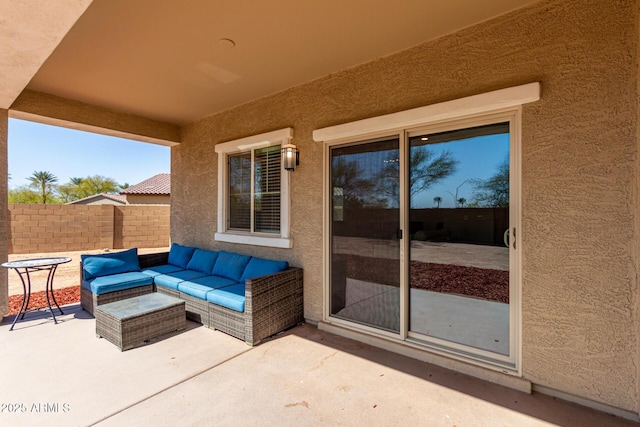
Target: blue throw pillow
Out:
[261,267]
[110,263]
[203,261]
[180,255]
[230,265]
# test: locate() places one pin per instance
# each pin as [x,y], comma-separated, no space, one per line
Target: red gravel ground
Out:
[484,283]
[63,296]
[492,285]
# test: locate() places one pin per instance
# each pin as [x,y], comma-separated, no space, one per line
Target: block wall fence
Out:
[62,228]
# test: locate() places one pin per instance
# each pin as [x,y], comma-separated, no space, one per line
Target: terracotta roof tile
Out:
[157,185]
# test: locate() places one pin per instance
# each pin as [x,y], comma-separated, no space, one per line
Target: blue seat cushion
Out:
[180,255]
[202,260]
[161,269]
[261,267]
[213,282]
[117,282]
[230,265]
[231,297]
[171,280]
[109,263]
[199,287]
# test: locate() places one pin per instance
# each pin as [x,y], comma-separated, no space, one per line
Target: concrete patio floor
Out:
[63,375]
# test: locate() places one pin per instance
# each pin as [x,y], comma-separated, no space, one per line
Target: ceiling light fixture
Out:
[227,43]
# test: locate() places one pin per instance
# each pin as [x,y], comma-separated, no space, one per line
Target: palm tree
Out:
[44,181]
[437,200]
[77,181]
[456,200]
[462,201]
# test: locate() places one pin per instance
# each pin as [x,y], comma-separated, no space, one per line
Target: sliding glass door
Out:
[459,230]
[365,222]
[422,237]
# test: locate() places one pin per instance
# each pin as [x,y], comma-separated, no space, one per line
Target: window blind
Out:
[239,216]
[267,175]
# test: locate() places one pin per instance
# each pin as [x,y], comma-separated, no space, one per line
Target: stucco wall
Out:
[579,146]
[53,110]
[4,211]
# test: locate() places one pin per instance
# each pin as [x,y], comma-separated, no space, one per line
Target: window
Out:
[257,208]
[253,191]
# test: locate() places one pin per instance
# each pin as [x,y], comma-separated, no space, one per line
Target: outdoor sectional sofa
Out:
[247,297]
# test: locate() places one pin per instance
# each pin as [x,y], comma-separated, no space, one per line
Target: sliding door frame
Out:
[512,362]
[458,113]
[327,238]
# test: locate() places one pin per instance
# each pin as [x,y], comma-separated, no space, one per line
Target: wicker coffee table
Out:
[131,322]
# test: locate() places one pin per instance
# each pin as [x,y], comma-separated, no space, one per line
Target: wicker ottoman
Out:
[131,322]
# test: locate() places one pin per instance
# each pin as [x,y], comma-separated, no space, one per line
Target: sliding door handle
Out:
[507,237]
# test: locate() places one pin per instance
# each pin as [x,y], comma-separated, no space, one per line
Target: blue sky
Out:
[68,153]
[478,158]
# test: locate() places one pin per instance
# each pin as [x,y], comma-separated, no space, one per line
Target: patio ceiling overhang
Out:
[172,63]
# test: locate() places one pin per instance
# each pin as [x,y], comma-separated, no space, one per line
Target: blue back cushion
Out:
[180,255]
[110,263]
[230,265]
[261,267]
[202,260]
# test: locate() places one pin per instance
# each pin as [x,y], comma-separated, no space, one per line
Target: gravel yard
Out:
[66,283]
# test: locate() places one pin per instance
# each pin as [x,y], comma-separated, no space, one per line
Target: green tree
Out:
[437,200]
[44,181]
[456,199]
[79,188]
[494,192]
[354,190]
[99,184]
[24,195]
[425,169]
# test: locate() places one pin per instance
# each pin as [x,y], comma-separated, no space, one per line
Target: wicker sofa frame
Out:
[273,303]
[89,300]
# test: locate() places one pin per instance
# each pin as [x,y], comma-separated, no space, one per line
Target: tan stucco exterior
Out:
[31,31]
[4,207]
[579,174]
[580,231]
[57,111]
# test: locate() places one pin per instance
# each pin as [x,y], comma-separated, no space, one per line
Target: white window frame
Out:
[250,143]
[471,109]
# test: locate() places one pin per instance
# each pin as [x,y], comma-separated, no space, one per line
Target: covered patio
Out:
[541,95]
[62,375]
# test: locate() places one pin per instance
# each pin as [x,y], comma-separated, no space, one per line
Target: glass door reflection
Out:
[365,219]
[459,213]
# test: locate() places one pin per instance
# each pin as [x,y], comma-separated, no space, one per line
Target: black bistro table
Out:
[24,268]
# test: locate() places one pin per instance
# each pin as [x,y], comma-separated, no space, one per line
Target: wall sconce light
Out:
[291,157]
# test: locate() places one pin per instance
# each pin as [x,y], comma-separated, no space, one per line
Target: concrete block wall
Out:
[141,226]
[61,228]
